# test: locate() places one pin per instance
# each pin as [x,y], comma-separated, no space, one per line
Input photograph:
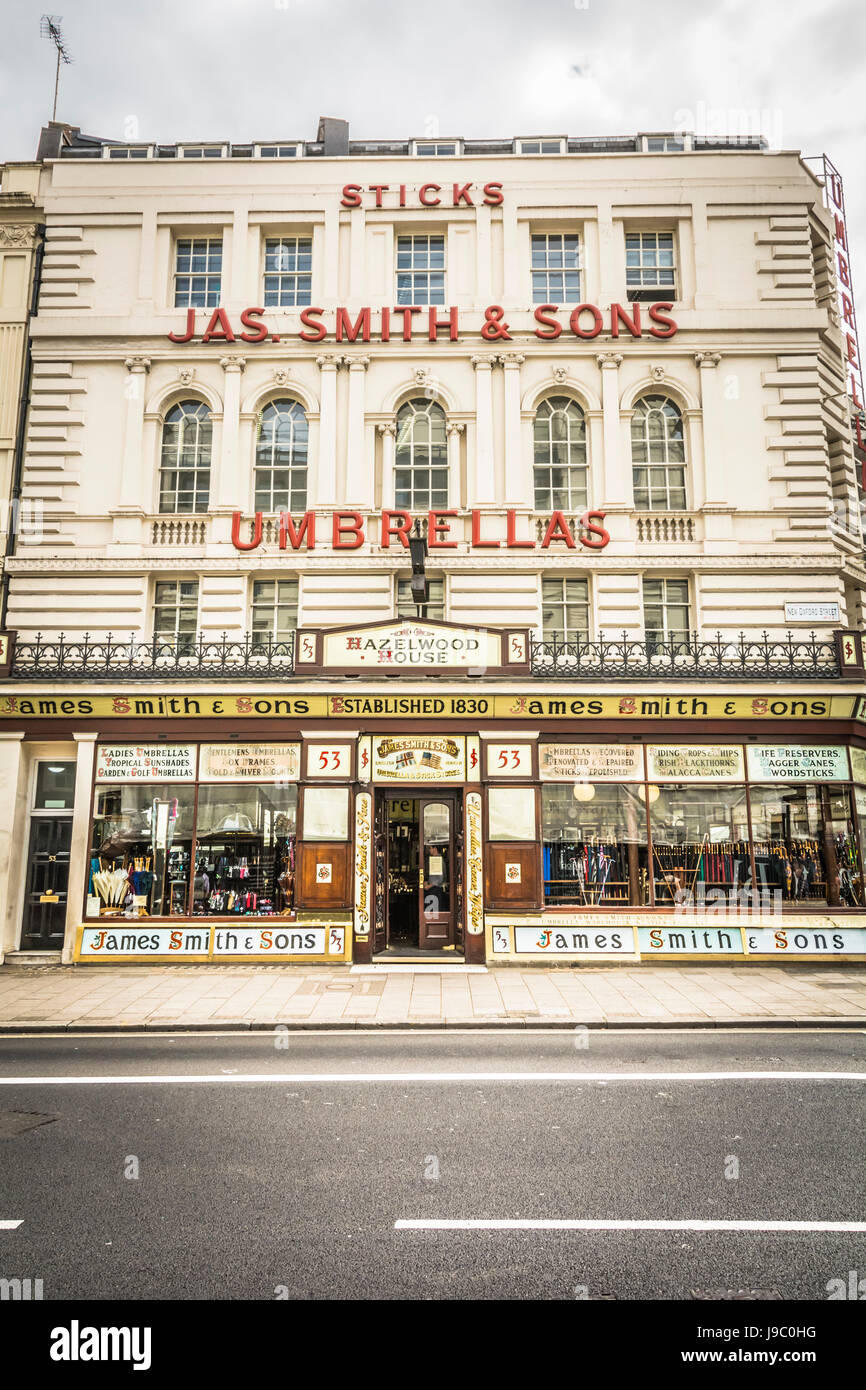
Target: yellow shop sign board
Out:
[655,705]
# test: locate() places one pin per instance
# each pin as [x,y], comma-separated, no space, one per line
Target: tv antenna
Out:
[49,28]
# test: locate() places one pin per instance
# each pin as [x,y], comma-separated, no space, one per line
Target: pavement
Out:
[82,998]
[437,1166]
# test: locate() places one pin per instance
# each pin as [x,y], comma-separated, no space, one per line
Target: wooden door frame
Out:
[456,807]
[456,795]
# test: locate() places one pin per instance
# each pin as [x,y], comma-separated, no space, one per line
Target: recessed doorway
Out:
[419,861]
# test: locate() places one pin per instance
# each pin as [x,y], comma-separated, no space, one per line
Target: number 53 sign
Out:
[509,760]
[329,760]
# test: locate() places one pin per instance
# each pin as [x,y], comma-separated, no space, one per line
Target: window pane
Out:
[594,844]
[511,813]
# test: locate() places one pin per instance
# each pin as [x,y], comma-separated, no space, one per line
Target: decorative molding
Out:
[137,364]
[484,359]
[21,235]
[359,363]
[610,361]
[512,359]
[233,363]
[560,375]
[281,376]
[657,373]
[455,427]
[329,361]
[707,359]
[186,375]
[387,429]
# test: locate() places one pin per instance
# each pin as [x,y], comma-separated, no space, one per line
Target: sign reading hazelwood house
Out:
[395,646]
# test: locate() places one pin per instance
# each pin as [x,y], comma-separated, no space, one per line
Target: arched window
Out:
[658,454]
[281,458]
[184,473]
[421,457]
[559,456]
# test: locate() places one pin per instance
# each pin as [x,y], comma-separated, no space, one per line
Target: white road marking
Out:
[401,1078]
[10,1225]
[554,1225]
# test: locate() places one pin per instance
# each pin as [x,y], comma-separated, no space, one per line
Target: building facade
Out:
[444,546]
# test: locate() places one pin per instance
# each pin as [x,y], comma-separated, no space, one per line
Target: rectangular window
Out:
[556,268]
[326,813]
[435,148]
[595,844]
[664,144]
[175,613]
[274,609]
[245,850]
[421,270]
[434,608]
[55,787]
[198,272]
[129,152]
[278,151]
[539,147]
[650,266]
[511,813]
[666,610]
[700,841]
[288,271]
[201,151]
[565,609]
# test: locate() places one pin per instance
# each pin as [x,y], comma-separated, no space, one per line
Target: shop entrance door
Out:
[422,871]
[47,879]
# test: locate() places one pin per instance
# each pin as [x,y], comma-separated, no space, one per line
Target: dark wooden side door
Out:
[437,910]
[47,882]
[380,855]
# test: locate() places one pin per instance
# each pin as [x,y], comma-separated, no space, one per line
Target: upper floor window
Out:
[274,609]
[556,268]
[658,454]
[184,472]
[421,457]
[553,146]
[565,609]
[281,458]
[650,270]
[664,144]
[435,148]
[198,272]
[127,152]
[666,610]
[175,612]
[201,151]
[559,455]
[288,271]
[278,151]
[433,609]
[420,270]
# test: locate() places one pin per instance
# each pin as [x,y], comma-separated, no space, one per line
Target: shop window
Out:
[140,850]
[658,455]
[433,609]
[288,271]
[326,813]
[421,457]
[666,611]
[559,456]
[595,844]
[555,268]
[274,609]
[281,458]
[420,270]
[55,787]
[198,272]
[184,471]
[245,850]
[511,813]
[700,842]
[804,843]
[175,613]
[650,268]
[565,609]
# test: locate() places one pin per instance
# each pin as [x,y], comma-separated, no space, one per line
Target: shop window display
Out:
[245,850]
[595,844]
[805,844]
[140,850]
[700,841]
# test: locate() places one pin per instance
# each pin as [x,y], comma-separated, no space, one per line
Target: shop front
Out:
[374,823]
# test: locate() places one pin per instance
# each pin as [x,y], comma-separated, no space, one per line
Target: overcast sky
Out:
[169,70]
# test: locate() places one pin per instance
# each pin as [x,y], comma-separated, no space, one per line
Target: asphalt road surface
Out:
[254,1167]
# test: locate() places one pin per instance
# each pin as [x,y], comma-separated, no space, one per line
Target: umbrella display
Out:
[112,886]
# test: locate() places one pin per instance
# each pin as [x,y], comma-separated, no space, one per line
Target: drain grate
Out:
[14,1122]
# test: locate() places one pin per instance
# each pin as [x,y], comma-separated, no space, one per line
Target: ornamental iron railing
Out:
[253,657]
[692,658]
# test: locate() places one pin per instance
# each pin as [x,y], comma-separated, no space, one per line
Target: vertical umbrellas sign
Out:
[834,194]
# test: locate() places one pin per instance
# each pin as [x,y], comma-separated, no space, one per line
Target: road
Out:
[250,1167]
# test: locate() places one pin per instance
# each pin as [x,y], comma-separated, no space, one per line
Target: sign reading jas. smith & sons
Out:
[409,645]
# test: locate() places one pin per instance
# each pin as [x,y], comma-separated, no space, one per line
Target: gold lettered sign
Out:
[136,705]
[363,862]
[142,762]
[474,876]
[249,762]
[700,762]
[418,758]
[590,762]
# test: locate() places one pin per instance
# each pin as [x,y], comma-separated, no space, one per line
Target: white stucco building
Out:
[604,378]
